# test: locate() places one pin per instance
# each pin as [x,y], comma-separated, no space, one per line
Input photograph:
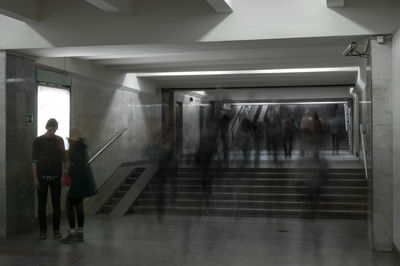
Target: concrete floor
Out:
[188,240]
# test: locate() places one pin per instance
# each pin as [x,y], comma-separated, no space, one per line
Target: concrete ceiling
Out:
[258,54]
[214,56]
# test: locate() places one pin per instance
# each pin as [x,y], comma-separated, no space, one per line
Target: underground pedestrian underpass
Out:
[217,133]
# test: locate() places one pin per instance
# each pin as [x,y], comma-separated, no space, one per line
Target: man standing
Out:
[48,166]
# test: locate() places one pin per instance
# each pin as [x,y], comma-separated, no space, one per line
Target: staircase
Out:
[260,192]
[121,191]
[326,140]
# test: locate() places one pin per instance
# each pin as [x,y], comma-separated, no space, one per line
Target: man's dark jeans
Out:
[55,190]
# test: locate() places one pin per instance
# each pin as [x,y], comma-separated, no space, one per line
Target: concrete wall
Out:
[101,109]
[190,21]
[382,131]
[191,122]
[396,140]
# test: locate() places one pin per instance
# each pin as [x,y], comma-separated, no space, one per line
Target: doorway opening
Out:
[54,102]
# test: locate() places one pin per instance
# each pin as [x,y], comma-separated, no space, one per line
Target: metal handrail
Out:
[234,120]
[236,124]
[363,150]
[105,146]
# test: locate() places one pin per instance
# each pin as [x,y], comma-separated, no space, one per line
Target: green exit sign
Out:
[28,119]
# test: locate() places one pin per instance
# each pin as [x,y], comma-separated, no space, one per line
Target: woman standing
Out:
[82,186]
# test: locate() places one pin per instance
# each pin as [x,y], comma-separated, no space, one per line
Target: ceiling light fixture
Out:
[299,103]
[249,72]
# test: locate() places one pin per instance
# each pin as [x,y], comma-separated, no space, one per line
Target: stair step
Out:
[343,214]
[257,204]
[257,196]
[130,180]
[264,181]
[125,187]
[249,175]
[108,208]
[114,201]
[260,171]
[268,189]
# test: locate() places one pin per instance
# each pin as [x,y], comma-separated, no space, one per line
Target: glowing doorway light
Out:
[54,103]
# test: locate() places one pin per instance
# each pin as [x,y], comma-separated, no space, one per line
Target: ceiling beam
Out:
[27,11]
[335,3]
[113,6]
[221,6]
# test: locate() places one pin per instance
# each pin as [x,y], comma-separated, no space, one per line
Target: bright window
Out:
[54,103]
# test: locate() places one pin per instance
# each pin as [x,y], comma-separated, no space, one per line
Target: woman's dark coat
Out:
[82,182]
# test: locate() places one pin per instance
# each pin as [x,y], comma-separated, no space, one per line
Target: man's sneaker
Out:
[57,234]
[42,235]
[70,238]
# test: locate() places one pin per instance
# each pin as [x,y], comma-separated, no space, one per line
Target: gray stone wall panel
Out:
[101,110]
[21,98]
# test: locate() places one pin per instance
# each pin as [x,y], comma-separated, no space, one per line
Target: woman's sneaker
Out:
[42,235]
[70,238]
[79,235]
[57,234]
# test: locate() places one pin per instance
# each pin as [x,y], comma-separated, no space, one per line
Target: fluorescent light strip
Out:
[302,103]
[249,72]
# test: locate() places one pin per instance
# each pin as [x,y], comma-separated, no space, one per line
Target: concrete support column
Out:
[382,143]
[3,216]
[356,125]
[17,99]
[396,139]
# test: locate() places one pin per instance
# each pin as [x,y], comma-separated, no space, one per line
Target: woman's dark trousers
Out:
[72,206]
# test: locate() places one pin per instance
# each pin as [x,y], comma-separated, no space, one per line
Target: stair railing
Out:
[363,150]
[233,121]
[106,145]
[236,125]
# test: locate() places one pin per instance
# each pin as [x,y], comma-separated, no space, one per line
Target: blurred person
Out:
[306,132]
[82,186]
[162,152]
[319,177]
[336,127]
[267,128]
[258,140]
[317,134]
[289,132]
[247,134]
[48,167]
[224,137]
[275,128]
[207,153]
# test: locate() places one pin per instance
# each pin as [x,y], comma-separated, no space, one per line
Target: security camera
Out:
[354,91]
[350,49]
